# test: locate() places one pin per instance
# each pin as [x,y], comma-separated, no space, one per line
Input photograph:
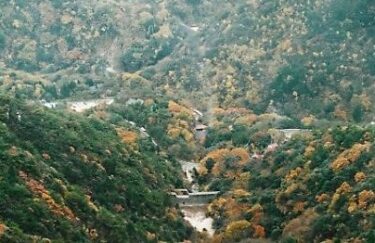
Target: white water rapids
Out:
[196,214]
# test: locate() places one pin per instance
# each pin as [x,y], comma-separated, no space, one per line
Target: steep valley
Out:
[107,108]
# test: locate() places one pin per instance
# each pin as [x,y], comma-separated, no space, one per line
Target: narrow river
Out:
[195,214]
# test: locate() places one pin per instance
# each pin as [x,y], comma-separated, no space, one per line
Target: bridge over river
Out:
[194,203]
[185,198]
[194,207]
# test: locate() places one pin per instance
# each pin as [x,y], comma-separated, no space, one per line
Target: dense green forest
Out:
[274,100]
[295,58]
[70,178]
[312,188]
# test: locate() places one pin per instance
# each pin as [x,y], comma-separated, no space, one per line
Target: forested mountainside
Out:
[313,58]
[69,178]
[274,100]
[317,186]
[104,175]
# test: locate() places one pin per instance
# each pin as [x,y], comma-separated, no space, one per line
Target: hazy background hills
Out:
[298,59]
[214,82]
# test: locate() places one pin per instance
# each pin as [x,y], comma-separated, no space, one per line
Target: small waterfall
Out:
[195,214]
